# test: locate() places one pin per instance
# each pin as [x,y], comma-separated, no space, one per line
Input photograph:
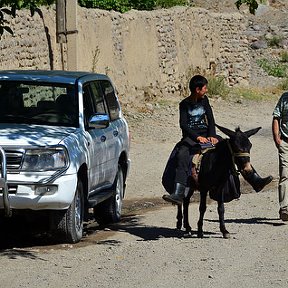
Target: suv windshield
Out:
[38,103]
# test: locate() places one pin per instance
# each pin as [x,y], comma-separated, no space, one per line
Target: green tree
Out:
[10,7]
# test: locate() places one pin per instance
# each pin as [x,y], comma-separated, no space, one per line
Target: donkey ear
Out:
[226,131]
[252,131]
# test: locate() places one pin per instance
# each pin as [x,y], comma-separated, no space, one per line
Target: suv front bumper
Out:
[37,196]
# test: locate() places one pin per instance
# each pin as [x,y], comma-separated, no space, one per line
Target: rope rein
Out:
[234,154]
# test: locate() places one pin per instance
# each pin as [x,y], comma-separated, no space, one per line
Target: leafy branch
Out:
[10,7]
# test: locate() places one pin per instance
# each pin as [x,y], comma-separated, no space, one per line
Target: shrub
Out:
[142,5]
[217,86]
[273,68]
[170,3]
[254,93]
[116,5]
[284,57]
[125,5]
[275,41]
[284,84]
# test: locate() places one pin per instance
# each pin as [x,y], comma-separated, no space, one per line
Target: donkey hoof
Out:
[200,234]
[226,235]
[188,234]
[188,229]
[178,226]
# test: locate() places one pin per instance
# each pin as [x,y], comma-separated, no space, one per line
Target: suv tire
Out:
[69,223]
[109,211]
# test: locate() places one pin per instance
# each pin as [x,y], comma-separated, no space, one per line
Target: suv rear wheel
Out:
[69,223]
[109,211]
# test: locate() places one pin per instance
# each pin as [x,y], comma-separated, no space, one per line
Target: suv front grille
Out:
[13,159]
[11,189]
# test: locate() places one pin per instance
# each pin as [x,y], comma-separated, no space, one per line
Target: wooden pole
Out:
[61,21]
[61,28]
[71,34]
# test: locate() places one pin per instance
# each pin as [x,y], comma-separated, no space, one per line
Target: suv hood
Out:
[32,135]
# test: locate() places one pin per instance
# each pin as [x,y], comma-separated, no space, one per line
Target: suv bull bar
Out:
[3,184]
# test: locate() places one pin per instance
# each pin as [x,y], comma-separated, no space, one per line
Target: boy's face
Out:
[201,91]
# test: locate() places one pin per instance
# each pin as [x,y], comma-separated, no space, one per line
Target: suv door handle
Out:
[103,138]
[115,133]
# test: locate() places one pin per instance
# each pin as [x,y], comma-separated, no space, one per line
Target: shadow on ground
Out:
[20,238]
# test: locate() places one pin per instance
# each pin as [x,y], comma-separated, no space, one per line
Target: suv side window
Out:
[111,99]
[97,95]
[88,104]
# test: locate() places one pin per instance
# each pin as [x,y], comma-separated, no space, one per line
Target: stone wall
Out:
[33,44]
[145,53]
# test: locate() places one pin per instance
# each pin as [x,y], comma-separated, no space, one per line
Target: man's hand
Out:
[277,141]
[276,132]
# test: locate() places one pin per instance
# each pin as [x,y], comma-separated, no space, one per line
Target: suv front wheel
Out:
[69,223]
[109,211]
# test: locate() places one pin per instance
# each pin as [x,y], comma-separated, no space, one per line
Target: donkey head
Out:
[240,144]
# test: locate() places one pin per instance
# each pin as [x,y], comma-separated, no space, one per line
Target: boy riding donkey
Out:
[198,130]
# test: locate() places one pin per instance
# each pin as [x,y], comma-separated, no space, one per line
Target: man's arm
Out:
[276,131]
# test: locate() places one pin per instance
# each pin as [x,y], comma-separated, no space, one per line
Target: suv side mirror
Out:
[99,121]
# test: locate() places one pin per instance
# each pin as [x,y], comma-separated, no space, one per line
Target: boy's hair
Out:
[197,81]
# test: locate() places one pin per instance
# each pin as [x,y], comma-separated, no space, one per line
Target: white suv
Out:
[64,148]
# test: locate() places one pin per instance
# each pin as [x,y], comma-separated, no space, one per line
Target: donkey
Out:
[216,168]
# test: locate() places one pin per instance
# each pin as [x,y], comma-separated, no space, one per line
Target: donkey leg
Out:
[202,210]
[186,224]
[221,210]
[179,217]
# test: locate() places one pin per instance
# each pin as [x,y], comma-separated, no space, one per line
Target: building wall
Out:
[145,53]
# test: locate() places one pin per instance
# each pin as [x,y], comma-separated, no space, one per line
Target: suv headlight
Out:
[45,159]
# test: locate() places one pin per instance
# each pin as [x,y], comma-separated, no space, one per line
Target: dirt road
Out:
[145,249]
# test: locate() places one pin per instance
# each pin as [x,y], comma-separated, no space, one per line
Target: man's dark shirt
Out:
[196,119]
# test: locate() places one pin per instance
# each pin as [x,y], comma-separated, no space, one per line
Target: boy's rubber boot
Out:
[177,196]
[253,178]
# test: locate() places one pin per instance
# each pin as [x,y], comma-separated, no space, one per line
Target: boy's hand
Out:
[213,140]
[202,139]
